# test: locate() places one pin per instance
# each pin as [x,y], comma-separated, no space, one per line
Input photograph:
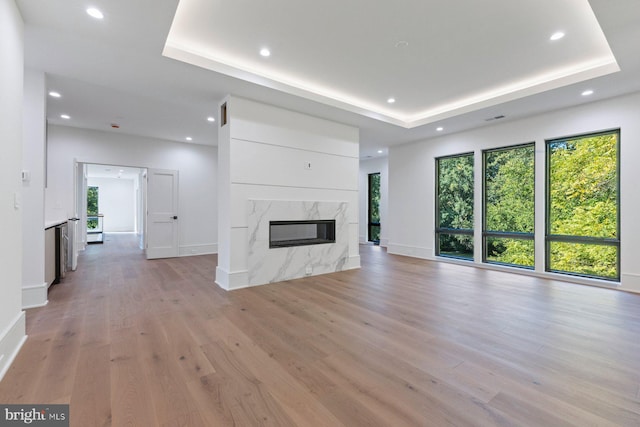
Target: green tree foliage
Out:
[374,206]
[92,207]
[583,202]
[581,258]
[455,192]
[584,186]
[509,190]
[455,202]
[509,203]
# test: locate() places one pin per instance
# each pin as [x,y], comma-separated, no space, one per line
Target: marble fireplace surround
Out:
[267,265]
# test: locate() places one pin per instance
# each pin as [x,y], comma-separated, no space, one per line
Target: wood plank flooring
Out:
[400,342]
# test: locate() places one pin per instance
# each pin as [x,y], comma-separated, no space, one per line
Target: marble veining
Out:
[267,265]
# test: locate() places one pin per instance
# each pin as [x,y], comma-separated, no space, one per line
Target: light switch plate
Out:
[17,200]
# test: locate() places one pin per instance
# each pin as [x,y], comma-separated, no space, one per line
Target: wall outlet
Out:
[309,270]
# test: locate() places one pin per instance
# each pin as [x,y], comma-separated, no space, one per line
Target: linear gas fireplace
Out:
[283,234]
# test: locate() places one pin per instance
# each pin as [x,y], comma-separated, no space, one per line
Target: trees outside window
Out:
[92,207]
[509,206]
[454,206]
[583,227]
[374,208]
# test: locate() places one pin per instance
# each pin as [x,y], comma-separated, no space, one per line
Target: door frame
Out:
[161,217]
[80,192]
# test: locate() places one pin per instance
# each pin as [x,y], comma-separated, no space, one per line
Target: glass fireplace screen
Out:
[283,234]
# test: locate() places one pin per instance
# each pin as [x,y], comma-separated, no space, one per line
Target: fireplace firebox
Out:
[283,234]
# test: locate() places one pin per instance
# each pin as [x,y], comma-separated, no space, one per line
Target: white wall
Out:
[263,151]
[197,165]
[34,285]
[12,321]
[117,202]
[376,165]
[412,175]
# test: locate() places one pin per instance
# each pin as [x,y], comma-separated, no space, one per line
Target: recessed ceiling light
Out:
[587,92]
[65,116]
[556,36]
[265,52]
[211,119]
[379,151]
[55,94]
[440,129]
[189,138]
[391,100]
[95,13]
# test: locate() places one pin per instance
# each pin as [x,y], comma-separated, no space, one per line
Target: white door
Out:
[162,213]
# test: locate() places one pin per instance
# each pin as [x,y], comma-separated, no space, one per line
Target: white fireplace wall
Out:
[268,153]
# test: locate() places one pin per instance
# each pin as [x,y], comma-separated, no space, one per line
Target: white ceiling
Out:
[465,61]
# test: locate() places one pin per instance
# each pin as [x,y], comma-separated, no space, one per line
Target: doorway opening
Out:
[109,199]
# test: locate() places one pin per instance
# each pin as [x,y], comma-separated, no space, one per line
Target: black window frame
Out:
[505,234]
[446,230]
[603,241]
[371,224]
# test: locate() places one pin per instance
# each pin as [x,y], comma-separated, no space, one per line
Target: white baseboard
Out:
[191,250]
[412,251]
[11,341]
[34,296]
[384,242]
[630,282]
[230,281]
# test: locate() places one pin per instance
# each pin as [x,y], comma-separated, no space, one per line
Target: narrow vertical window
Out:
[509,209]
[374,208]
[583,206]
[92,208]
[454,206]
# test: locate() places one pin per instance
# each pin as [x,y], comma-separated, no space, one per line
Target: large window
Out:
[374,208]
[454,206]
[583,231]
[509,211]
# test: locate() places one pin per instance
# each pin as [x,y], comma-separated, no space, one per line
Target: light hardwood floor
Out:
[400,342]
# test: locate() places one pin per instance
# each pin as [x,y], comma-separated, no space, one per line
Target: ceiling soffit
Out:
[436,59]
